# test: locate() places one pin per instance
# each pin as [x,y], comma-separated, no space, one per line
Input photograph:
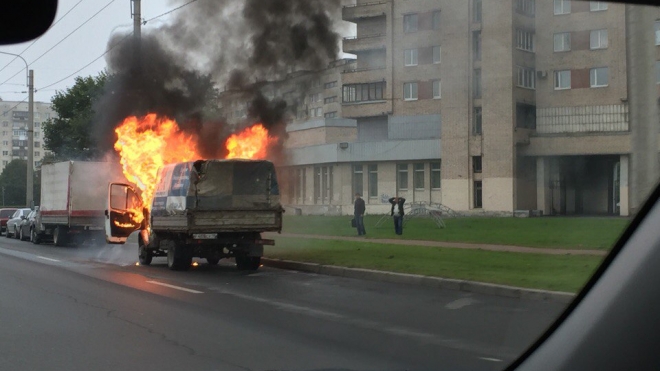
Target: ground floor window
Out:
[402,170]
[436,179]
[373,181]
[322,184]
[358,179]
[477,194]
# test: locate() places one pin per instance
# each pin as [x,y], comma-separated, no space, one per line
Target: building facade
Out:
[484,106]
[13,131]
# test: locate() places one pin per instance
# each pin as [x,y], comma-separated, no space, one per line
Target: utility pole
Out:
[30,132]
[137,32]
[642,104]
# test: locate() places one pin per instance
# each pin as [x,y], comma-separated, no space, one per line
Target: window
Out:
[410,91]
[5,142]
[437,54]
[435,20]
[476,121]
[47,116]
[37,124]
[526,77]
[436,175]
[525,40]
[358,185]
[316,83]
[657,72]
[37,163]
[477,83]
[36,153]
[329,85]
[402,169]
[656,27]
[476,10]
[437,91]
[36,115]
[4,133]
[418,176]
[595,6]
[322,184]
[410,22]
[37,144]
[476,164]
[562,41]
[20,132]
[562,6]
[363,92]
[598,39]
[477,194]
[36,134]
[598,77]
[314,97]
[410,57]
[331,115]
[476,45]
[373,181]
[5,153]
[5,124]
[562,79]
[329,100]
[526,7]
[300,188]
[525,116]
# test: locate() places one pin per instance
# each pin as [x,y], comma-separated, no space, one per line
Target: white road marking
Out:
[490,359]
[460,303]
[49,259]
[176,287]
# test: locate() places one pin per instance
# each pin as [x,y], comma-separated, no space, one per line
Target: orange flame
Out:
[146,144]
[251,143]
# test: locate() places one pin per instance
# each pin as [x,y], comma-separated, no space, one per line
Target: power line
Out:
[65,37]
[37,39]
[170,11]
[88,64]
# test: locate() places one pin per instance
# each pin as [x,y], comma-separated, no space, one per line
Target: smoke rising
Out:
[212,46]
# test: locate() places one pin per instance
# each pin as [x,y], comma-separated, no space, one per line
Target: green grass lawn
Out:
[555,232]
[550,272]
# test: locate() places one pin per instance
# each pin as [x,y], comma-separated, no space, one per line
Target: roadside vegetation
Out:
[549,232]
[539,271]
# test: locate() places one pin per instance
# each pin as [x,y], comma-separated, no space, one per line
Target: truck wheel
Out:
[212,261]
[248,263]
[145,256]
[34,237]
[179,257]
[59,236]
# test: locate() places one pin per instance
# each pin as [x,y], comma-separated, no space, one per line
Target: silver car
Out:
[14,222]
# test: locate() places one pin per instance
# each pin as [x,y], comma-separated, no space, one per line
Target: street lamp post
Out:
[29,196]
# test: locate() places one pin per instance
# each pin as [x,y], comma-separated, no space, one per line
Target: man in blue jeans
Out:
[397,213]
[358,212]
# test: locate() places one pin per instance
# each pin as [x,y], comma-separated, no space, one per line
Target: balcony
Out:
[355,44]
[360,75]
[582,119]
[352,13]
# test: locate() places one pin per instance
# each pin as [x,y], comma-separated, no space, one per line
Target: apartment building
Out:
[13,131]
[484,106]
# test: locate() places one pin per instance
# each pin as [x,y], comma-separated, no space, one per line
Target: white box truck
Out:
[73,201]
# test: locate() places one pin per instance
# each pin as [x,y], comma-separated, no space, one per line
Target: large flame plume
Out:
[147,143]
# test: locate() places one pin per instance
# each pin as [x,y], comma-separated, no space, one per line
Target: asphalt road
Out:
[92,308]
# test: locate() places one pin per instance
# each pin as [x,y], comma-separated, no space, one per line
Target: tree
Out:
[13,183]
[68,135]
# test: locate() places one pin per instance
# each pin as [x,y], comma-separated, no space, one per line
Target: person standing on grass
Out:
[397,213]
[358,212]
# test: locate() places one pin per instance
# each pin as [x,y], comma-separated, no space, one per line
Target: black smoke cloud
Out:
[229,45]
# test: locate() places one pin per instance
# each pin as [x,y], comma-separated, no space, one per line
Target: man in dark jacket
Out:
[397,213]
[358,213]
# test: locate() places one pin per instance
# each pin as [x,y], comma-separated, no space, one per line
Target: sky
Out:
[83,46]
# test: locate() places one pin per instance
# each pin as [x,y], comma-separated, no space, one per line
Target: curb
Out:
[419,280]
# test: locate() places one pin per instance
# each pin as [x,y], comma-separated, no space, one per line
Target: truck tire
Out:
[248,263]
[34,237]
[212,261]
[179,257]
[145,256]
[59,236]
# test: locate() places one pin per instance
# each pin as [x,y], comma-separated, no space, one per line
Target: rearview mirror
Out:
[26,20]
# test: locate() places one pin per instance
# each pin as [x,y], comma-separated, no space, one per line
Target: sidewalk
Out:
[455,245]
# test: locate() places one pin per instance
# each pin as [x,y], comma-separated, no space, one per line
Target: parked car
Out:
[26,225]
[5,214]
[12,223]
